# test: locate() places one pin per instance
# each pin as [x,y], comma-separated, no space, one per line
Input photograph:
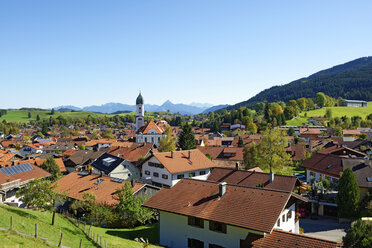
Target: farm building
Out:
[353,103]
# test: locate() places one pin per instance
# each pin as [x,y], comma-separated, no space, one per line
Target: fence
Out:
[95,238]
[36,235]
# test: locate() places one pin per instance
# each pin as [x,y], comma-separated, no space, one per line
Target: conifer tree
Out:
[187,138]
[348,195]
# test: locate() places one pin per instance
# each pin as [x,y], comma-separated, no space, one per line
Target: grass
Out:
[24,220]
[10,239]
[22,115]
[124,237]
[336,112]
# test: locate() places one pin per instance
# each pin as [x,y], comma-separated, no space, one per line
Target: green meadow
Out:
[336,112]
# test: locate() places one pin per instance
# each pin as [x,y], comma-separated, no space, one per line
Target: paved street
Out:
[325,228]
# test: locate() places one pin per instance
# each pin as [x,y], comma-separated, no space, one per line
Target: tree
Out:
[250,156]
[130,208]
[108,134]
[52,167]
[168,143]
[40,193]
[240,142]
[358,236]
[348,195]
[187,138]
[321,99]
[338,132]
[94,135]
[52,112]
[363,136]
[29,115]
[291,132]
[328,114]
[37,118]
[270,153]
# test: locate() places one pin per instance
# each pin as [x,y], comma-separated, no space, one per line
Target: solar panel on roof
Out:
[117,180]
[16,169]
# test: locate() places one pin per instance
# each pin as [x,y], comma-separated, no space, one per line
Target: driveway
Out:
[324,228]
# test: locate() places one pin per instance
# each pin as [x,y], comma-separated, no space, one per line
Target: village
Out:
[200,187]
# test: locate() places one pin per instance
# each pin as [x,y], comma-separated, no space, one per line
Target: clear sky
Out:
[81,53]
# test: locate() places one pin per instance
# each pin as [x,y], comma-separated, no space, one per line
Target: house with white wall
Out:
[165,169]
[150,133]
[196,213]
[116,167]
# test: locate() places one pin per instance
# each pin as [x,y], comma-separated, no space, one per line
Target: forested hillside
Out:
[352,80]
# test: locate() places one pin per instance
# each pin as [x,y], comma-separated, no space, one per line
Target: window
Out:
[193,221]
[157,165]
[217,226]
[164,176]
[289,215]
[215,246]
[202,173]
[155,174]
[278,222]
[180,176]
[192,174]
[283,218]
[145,139]
[194,243]
[147,172]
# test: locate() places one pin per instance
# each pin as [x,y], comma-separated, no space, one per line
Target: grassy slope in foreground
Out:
[13,239]
[24,220]
[336,112]
[119,237]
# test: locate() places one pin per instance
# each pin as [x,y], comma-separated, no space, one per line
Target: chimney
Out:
[222,189]
[271,176]
[132,182]
[237,166]
[172,154]
[189,154]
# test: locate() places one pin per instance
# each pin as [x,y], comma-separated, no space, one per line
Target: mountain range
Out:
[351,80]
[110,108]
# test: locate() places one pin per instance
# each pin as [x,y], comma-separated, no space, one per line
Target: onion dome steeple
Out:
[139,99]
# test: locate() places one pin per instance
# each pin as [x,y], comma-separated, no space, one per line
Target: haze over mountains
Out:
[351,80]
[110,108]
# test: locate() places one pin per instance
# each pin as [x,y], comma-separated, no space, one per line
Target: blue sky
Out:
[92,52]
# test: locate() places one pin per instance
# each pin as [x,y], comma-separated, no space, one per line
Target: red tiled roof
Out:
[100,141]
[76,185]
[132,154]
[251,208]
[253,178]
[151,125]
[325,163]
[350,132]
[180,162]
[218,152]
[282,239]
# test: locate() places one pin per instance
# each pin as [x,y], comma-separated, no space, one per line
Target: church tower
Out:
[140,112]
